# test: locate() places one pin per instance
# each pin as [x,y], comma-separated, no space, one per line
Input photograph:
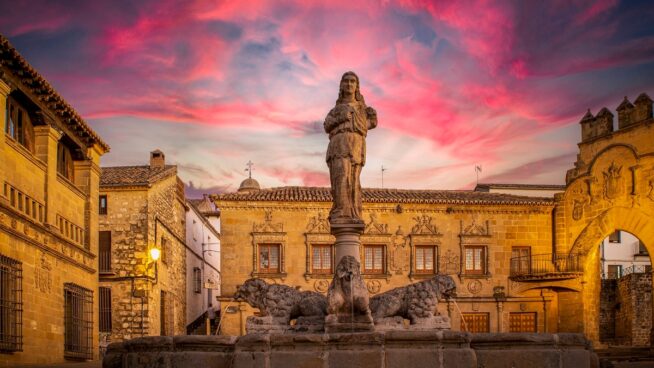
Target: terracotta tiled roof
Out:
[371,195]
[486,186]
[134,175]
[11,59]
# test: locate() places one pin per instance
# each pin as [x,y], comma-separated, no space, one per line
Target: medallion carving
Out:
[321,286]
[318,224]
[373,286]
[474,287]
[399,253]
[424,225]
[613,186]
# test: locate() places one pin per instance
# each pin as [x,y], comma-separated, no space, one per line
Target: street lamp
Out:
[155,253]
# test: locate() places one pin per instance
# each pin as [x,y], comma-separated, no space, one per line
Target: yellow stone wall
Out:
[290,223]
[138,217]
[48,257]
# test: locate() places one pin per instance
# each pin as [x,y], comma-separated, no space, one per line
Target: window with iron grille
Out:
[78,322]
[197,280]
[11,306]
[321,258]
[102,205]
[373,259]
[105,309]
[105,251]
[425,259]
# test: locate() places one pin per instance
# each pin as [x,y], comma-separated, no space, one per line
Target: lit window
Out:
[475,260]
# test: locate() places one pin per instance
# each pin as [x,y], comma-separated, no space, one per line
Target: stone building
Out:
[49,173]
[202,269]
[520,263]
[142,208]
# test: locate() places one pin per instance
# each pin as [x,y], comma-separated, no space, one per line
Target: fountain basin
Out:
[390,349]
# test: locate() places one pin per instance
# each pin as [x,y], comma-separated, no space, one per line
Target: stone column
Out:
[4,92]
[348,240]
[46,139]
[500,316]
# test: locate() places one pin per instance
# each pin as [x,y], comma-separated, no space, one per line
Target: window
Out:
[105,309]
[105,251]
[521,260]
[78,322]
[11,332]
[425,259]
[615,237]
[197,280]
[615,272]
[19,126]
[269,258]
[373,259]
[522,322]
[475,322]
[321,259]
[475,260]
[65,162]
[103,205]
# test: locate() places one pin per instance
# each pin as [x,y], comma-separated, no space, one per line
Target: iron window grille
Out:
[11,305]
[197,280]
[78,322]
[105,309]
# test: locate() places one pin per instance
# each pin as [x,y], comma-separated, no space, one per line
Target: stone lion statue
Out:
[281,302]
[414,302]
[347,293]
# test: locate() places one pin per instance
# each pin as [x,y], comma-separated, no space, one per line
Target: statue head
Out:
[346,81]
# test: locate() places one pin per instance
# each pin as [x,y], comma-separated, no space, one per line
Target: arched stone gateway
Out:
[610,188]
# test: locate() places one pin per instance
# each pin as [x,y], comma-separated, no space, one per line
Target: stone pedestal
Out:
[347,298]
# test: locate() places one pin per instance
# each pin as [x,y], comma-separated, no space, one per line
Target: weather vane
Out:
[249,168]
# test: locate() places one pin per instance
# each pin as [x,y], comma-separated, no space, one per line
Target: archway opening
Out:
[625,310]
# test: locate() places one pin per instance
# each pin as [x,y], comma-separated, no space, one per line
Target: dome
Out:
[249,185]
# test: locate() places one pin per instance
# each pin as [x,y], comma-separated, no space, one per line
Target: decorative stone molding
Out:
[267,226]
[475,229]
[318,224]
[424,226]
[475,235]
[613,183]
[399,253]
[424,232]
[268,232]
[374,227]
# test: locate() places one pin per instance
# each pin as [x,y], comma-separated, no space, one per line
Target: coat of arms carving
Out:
[268,226]
[578,209]
[613,181]
[424,226]
[374,227]
[318,224]
[449,263]
[399,253]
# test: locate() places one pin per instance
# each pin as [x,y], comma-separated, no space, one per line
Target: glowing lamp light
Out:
[155,253]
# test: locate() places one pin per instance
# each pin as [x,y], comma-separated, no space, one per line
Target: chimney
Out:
[157,159]
[625,113]
[643,109]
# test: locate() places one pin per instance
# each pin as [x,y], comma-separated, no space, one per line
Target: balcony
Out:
[546,267]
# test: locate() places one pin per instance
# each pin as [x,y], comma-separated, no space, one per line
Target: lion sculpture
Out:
[415,302]
[348,298]
[280,302]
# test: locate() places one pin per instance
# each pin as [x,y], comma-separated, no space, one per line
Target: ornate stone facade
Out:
[48,217]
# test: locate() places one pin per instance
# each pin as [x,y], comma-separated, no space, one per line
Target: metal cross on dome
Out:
[249,168]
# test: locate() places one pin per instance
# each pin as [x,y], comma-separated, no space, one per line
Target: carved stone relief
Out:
[613,185]
[373,286]
[424,226]
[318,224]
[578,209]
[399,253]
[449,263]
[474,287]
[42,274]
[267,226]
[374,227]
[475,229]
[321,286]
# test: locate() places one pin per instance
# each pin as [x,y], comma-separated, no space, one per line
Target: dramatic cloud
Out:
[455,83]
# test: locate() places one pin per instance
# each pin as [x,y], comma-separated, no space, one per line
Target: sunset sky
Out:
[214,84]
